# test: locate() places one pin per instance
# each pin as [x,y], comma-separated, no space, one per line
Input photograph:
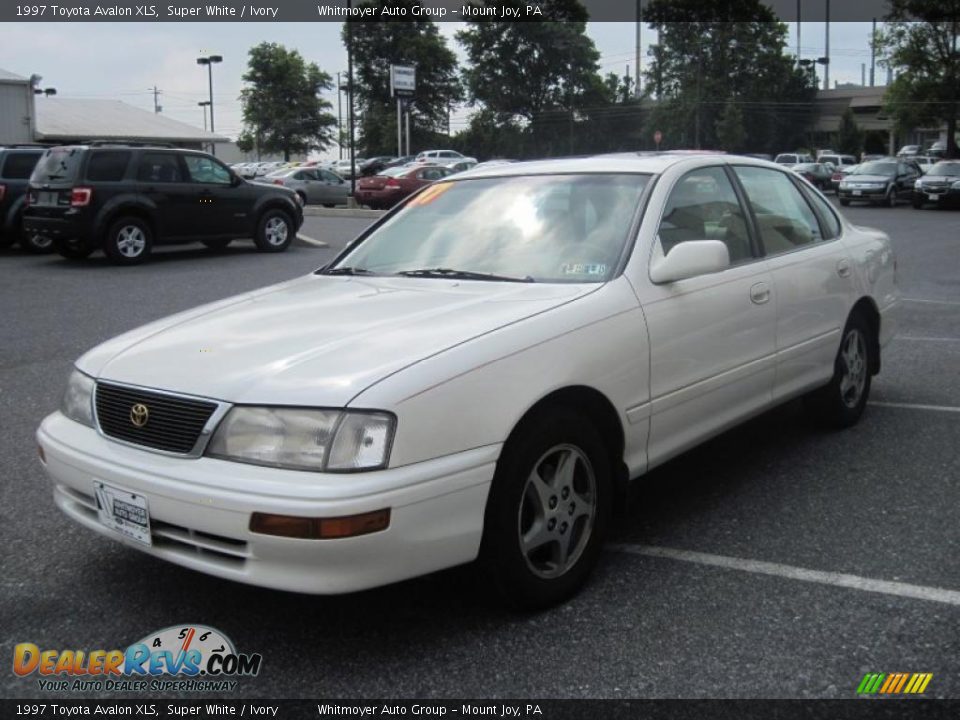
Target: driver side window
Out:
[704,206]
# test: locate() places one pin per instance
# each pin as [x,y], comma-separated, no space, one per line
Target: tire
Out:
[845,203]
[217,244]
[129,241]
[917,203]
[552,569]
[275,231]
[36,243]
[840,403]
[72,251]
[891,199]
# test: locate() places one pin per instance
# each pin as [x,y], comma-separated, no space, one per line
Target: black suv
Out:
[16,165]
[125,198]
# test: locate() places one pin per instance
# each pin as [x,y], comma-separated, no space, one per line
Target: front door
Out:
[221,207]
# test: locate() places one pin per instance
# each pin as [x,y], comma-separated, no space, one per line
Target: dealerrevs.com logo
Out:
[191,658]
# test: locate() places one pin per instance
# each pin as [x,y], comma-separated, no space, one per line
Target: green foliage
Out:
[850,136]
[376,46]
[704,63]
[730,132]
[921,43]
[283,110]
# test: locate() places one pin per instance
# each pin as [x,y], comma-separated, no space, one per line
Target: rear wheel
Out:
[72,250]
[128,241]
[274,231]
[548,509]
[840,403]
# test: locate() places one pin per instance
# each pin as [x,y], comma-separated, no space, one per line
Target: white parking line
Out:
[853,582]
[916,406]
[932,302]
[312,241]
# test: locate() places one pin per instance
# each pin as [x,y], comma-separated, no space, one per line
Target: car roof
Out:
[652,163]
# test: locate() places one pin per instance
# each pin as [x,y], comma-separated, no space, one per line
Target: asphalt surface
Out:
[879,502]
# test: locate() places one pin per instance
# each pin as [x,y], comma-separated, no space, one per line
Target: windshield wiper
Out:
[441,272]
[348,271]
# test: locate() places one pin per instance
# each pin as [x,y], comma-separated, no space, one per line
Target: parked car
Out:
[481,374]
[792,159]
[908,150]
[16,165]
[940,186]
[441,156]
[125,199]
[460,165]
[394,184]
[880,181]
[818,174]
[313,185]
[838,175]
[759,156]
[374,165]
[838,161]
[344,168]
[924,162]
[400,161]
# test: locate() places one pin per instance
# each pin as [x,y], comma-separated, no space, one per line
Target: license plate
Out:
[123,511]
[46,197]
[931,196]
[858,193]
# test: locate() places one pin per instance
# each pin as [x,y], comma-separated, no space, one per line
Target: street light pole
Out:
[353,155]
[339,120]
[204,105]
[209,61]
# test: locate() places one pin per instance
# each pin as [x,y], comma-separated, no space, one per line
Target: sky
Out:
[124,61]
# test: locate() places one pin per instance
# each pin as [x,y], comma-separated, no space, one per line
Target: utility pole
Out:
[156,99]
[637,91]
[873,52]
[339,120]
[826,65]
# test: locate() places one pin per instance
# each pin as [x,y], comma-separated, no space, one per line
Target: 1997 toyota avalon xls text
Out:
[478,375]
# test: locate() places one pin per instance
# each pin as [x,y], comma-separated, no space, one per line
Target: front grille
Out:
[172,424]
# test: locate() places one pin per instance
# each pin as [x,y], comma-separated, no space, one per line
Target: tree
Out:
[850,137]
[283,110]
[920,40]
[729,51]
[537,75]
[376,46]
[730,133]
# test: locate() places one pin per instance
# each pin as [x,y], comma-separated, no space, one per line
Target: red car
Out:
[394,184]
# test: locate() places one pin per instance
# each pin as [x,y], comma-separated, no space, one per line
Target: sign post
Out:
[657,137]
[403,83]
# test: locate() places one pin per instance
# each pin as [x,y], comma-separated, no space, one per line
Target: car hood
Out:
[868,178]
[318,340]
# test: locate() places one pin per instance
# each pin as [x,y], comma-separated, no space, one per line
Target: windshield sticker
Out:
[583,269]
[430,194]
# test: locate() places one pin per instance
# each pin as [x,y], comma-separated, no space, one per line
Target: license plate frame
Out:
[47,197]
[123,511]
[857,193]
[933,196]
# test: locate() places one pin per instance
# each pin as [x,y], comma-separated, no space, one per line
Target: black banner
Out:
[886,709]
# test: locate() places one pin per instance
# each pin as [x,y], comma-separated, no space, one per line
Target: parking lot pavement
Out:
[775,561]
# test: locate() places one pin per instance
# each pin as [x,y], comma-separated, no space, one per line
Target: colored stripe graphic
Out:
[894,683]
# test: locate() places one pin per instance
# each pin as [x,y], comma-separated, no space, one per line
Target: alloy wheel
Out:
[853,356]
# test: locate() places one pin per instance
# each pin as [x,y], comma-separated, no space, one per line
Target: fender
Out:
[119,204]
[279,200]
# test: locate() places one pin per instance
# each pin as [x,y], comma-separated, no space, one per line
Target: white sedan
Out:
[479,375]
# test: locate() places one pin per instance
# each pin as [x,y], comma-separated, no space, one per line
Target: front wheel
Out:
[274,231]
[841,402]
[128,241]
[548,509]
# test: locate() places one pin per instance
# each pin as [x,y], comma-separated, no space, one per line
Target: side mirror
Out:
[690,259]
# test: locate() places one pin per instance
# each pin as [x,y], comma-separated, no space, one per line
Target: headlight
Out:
[77,401]
[917,185]
[305,439]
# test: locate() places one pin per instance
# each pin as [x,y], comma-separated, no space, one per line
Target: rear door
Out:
[162,179]
[812,275]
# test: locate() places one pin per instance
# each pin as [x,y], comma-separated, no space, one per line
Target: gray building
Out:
[16,109]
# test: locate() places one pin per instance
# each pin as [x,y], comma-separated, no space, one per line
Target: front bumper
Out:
[200,511]
[940,196]
[865,194]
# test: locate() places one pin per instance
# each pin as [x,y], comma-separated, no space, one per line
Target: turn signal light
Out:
[81,196]
[320,528]
[392,183]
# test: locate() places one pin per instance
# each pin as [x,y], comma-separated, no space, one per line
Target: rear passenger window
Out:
[159,168]
[19,166]
[703,206]
[785,220]
[108,165]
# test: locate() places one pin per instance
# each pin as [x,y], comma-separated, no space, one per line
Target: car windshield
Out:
[944,168]
[876,168]
[544,228]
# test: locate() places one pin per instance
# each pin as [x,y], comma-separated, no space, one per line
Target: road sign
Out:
[403,80]
[657,137]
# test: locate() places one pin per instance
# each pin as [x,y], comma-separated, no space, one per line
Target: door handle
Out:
[759,293]
[843,268]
